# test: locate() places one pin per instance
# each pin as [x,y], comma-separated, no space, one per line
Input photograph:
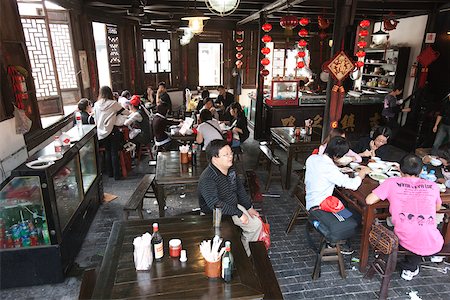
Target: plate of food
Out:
[50,157]
[394,174]
[346,170]
[378,167]
[380,177]
[39,164]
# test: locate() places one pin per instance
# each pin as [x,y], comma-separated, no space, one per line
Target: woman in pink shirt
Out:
[338,132]
[413,203]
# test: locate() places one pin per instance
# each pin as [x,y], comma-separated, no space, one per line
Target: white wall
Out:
[12,149]
[410,32]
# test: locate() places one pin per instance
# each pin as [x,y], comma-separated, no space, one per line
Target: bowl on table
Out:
[344,160]
[354,165]
[436,162]
[380,177]
[378,167]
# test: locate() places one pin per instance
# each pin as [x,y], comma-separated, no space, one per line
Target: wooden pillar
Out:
[342,40]
[259,120]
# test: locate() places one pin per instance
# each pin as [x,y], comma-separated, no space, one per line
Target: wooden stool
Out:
[136,201]
[386,250]
[125,162]
[273,161]
[328,254]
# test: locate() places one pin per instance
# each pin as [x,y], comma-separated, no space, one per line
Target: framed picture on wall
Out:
[84,69]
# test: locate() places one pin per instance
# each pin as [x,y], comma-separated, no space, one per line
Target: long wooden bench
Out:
[136,201]
[273,161]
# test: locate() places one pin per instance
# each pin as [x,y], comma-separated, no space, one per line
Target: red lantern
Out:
[360,53]
[362,44]
[264,72]
[302,43]
[266,38]
[301,54]
[239,63]
[239,40]
[304,21]
[289,22]
[265,61]
[303,32]
[240,32]
[265,50]
[266,27]
[239,55]
[239,48]
[364,23]
[300,64]
[359,64]
[363,33]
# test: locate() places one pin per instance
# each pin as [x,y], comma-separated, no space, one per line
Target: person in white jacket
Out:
[109,135]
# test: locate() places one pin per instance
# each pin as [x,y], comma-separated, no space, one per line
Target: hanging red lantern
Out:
[264,72]
[240,32]
[239,40]
[239,63]
[359,64]
[303,32]
[266,27]
[239,55]
[360,53]
[363,33]
[300,64]
[303,21]
[265,50]
[265,61]
[239,48]
[266,38]
[301,54]
[289,22]
[364,23]
[362,44]
[302,43]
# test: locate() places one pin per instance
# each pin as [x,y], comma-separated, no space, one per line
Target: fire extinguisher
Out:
[413,71]
[17,75]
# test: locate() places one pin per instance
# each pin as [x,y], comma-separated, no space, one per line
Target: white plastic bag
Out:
[23,123]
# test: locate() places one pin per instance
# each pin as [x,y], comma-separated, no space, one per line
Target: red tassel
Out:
[423,77]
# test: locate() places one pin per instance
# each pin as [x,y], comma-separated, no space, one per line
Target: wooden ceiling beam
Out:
[275,6]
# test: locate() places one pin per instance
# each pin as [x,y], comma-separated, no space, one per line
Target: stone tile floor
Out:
[291,257]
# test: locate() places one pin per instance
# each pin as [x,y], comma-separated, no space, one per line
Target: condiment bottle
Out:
[157,243]
[227,263]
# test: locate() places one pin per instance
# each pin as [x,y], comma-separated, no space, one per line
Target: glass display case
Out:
[22,216]
[46,211]
[283,93]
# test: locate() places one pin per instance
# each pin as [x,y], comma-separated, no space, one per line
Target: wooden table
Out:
[357,200]
[294,145]
[172,279]
[169,171]
[188,138]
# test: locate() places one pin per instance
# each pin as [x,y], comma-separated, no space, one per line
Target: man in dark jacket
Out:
[220,187]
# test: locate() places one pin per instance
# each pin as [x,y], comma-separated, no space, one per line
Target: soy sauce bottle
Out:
[157,243]
[227,263]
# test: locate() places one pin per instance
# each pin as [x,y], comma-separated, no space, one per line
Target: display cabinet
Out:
[46,209]
[383,70]
[283,93]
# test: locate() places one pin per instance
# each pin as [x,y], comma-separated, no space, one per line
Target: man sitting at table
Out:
[209,105]
[160,124]
[163,97]
[220,186]
[225,98]
[322,175]
[412,200]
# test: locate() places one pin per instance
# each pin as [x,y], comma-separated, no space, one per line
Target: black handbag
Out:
[330,227]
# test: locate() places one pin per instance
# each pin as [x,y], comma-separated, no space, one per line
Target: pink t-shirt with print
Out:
[412,204]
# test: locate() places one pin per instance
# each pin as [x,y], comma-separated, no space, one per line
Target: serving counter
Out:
[359,114]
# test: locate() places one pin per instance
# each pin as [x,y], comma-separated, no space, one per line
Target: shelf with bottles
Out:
[377,75]
[22,216]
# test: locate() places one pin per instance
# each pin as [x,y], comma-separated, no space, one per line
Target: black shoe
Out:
[346,249]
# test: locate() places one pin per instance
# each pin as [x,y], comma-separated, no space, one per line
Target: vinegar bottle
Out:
[157,243]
